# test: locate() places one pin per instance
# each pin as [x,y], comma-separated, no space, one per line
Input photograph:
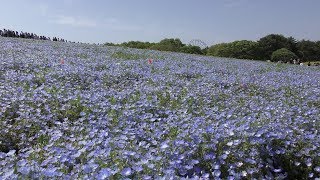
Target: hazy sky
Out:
[212,21]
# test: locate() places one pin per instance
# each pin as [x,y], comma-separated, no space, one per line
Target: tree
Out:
[205,50]
[293,45]
[168,45]
[270,43]
[243,49]
[137,44]
[283,55]
[238,49]
[109,44]
[191,49]
[220,50]
[309,50]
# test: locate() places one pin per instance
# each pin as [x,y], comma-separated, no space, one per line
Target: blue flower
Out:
[87,169]
[11,152]
[126,172]
[104,174]
[50,172]
[216,173]
[164,145]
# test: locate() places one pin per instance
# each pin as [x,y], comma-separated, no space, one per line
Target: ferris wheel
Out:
[198,42]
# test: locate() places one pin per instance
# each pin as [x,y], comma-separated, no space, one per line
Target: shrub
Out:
[284,55]
[173,45]
[191,49]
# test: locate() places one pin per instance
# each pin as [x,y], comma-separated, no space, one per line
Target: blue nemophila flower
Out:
[150,165]
[51,172]
[216,173]
[146,177]
[24,170]
[205,176]
[239,164]
[126,171]
[104,173]
[164,145]
[309,162]
[87,168]
[209,156]
[277,170]
[137,168]
[82,114]
[11,152]
[311,175]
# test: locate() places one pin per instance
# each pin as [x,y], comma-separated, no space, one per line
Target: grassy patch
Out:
[124,55]
[83,56]
[127,56]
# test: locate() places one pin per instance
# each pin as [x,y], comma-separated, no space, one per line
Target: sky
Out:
[211,21]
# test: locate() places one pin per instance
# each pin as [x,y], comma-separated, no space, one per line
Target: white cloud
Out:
[73,21]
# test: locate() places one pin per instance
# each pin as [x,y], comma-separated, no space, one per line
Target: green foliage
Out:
[238,49]
[171,133]
[173,45]
[137,44]
[43,139]
[284,55]
[176,42]
[293,45]
[243,49]
[270,43]
[83,56]
[109,44]
[11,139]
[205,50]
[220,50]
[309,50]
[191,49]
[72,111]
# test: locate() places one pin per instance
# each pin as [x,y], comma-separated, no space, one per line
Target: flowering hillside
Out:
[78,111]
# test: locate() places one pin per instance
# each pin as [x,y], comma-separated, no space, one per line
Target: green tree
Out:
[270,43]
[283,55]
[309,50]
[238,49]
[205,50]
[293,45]
[220,50]
[109,44]
[137,44]
[191,49]
[243,49]
[168,45]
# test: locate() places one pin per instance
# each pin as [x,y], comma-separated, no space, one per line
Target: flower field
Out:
[79,111]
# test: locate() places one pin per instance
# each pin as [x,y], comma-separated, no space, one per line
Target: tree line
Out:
[273,47]
[168,44]
[26,35]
